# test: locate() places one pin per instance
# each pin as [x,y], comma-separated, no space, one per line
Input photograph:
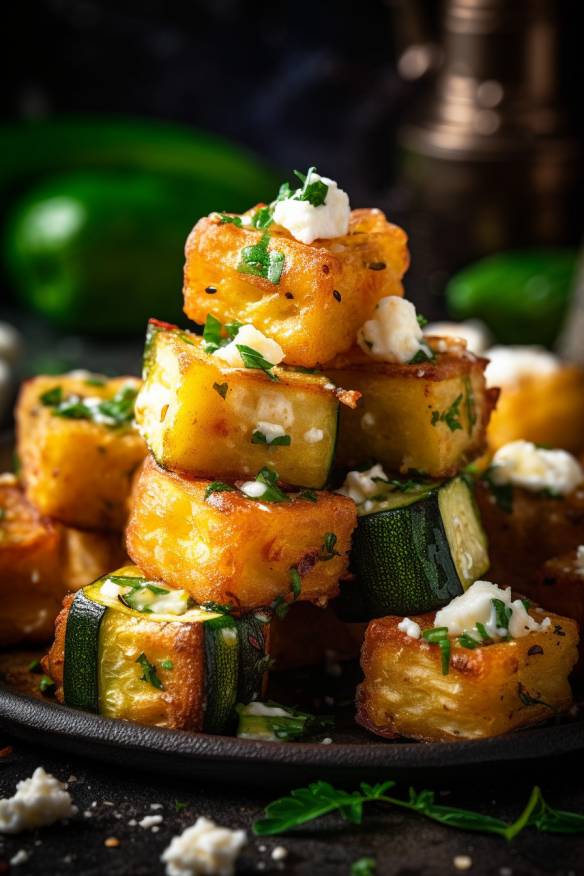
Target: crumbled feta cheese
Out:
[248,336]
[280,852]
[173,602]
[313,436]
[462,614]
[204,849]
[360,485]
[111,590]
[39,801]
[473,331]
[270,430]
[21,857]
[525,465]
[307,223]
[150,821]
[393,334]
[326,741]
[253,489]
[508,366]
[410,628]
[265,710]
[462,862]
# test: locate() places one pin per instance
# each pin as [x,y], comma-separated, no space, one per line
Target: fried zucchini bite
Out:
[319,297]
[126,647]
[489,689]
[245,547]
[202,417]
[430,417]
[78,448]
[30,568]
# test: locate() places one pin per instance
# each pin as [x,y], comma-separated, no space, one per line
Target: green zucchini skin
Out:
[403,561]
[253,633]
[221,672]
[81,669]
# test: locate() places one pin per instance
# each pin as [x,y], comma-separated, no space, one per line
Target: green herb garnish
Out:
[321,798]
[116,411]
[35,666]
[52,397]
[439,636]
[166,664]
[226,219]
[260,261]
[279,441]
[252,359]
[120,408]
[280,607]
[314,192]
[219,487]
[422,321]
[424,354]
[216,607]
[295,582]
[212,339]
[149,672]
[95,380]
[310,495]
[501,493]
[451,416]
[503,614]
[327,551]
[468,642]
[263,217]
[483,632]
[273,493]
[46,683]
[221,389]
[294,724]
[179,805]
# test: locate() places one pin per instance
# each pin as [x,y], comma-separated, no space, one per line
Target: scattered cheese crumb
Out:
[253,489]
[361,485]
[462,862]
[279,853]
[248,336]
[156,805]
[326,741]
[150,820]
[410,628]
[39,801]
[393,334]
[203,849]
[19,858]
[308,223]
[462,614]
[270,430]
[526,465]
[313,436]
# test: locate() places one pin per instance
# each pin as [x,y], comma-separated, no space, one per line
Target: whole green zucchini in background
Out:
[101,248]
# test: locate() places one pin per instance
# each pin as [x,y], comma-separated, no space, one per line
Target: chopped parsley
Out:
[166,664]
[295,582]
[260,261]
[279,441]
[219,487]
[263,217]
[422,321]
[216,335]
[424,354]
[46,683]
[216,607]
[149,672]
[468,642]
[314,192]
[52,397]
[328,551]
[95,380]
[116,411]
[273,493]
[226,219]
[309,495]
[252,359]
[221,389]
[364,867]
[503,614]
[451,416]
[439,636]
[35,666]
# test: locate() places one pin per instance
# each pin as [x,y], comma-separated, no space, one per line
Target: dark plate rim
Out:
[62,726]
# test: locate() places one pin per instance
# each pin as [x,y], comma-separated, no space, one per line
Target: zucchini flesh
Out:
[415,554]
[253,635]
[221,672]
[80,670]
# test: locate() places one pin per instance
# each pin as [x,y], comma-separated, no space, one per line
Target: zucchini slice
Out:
[183,670]
[200,416]
[414,550]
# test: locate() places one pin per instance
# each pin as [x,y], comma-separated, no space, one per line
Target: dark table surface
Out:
[109,799]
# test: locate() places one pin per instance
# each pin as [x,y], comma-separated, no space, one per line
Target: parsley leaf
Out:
[503,614]
[221,389]
[327,551]
[310,495]
[314,192]
[216,607]
[166,664]
[424,354]
[294,724]
[295,582]
[226,219]
[46,683]
[439,636]
[364,867]
[451,416]
[149,672]
[260,261]
[212,334]
[263,217]
[219,487]
[252,359]
[273,493]
[120,408]
[422,321]
[278,441]
[52,397]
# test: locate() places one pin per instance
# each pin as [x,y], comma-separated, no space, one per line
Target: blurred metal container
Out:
[489,158]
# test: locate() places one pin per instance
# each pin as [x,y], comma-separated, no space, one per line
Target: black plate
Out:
[222,758]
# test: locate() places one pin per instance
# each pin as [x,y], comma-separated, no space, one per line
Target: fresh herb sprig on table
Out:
[320,798]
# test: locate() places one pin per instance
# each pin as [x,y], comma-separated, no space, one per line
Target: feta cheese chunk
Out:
[410,628]
[475,606]
[393,334]
[308,223]
[361,485]
[473,331]
[204,849]
[523,464]
[313,436]
[253,489]
[508,366]
[270,430]
[248,336]
[39,801]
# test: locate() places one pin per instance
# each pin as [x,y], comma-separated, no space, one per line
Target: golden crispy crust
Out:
[230,549]
[405,693]
[326,292]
